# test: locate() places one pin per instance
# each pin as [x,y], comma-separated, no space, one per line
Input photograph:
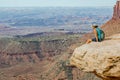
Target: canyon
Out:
[31,59]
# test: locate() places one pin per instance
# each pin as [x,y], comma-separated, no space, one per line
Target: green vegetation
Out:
[68,70]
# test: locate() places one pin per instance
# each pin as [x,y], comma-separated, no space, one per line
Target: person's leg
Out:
[88,41]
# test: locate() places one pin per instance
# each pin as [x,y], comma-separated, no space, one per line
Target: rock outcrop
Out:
[101,58]
[113,25]
[116,14]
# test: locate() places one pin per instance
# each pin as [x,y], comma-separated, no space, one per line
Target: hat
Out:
[94,26]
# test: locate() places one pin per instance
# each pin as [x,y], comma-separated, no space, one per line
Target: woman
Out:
[99,35]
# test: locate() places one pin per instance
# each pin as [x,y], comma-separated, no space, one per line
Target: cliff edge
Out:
[101,58]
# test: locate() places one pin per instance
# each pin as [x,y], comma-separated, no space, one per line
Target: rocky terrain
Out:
[103,58]
[38,60]
[16,51]
[34,58]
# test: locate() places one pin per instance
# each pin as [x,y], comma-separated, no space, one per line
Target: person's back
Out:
[100,33]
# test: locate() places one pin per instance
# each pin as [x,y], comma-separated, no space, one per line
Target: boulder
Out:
[101,58]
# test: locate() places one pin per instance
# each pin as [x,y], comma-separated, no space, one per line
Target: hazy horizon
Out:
[55,3]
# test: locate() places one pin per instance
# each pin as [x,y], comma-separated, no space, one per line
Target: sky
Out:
[56,3]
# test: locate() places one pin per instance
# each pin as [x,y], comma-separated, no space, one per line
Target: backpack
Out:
[101,34]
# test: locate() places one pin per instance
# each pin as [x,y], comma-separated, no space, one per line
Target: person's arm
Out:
[96,36]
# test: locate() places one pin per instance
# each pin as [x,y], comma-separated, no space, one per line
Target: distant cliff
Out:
[116,14]
[113,25]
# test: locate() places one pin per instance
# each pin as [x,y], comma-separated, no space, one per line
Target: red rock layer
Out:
[116,13]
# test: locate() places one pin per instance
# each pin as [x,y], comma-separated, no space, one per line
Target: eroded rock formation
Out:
[116,13]
[113,25]
[102,58]
[15,52]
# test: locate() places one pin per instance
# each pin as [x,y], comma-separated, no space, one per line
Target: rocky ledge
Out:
[100,58]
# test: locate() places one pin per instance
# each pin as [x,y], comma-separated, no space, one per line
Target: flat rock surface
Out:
[101,58]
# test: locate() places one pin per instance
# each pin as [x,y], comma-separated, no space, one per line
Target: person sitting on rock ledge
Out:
[99,35]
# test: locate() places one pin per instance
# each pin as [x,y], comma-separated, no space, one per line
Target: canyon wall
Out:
[14,52]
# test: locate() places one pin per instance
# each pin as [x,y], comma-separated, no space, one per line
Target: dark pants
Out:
[94,39]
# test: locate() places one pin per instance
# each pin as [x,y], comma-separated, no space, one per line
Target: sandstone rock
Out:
[116,14]
[101,58]
[113,25]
